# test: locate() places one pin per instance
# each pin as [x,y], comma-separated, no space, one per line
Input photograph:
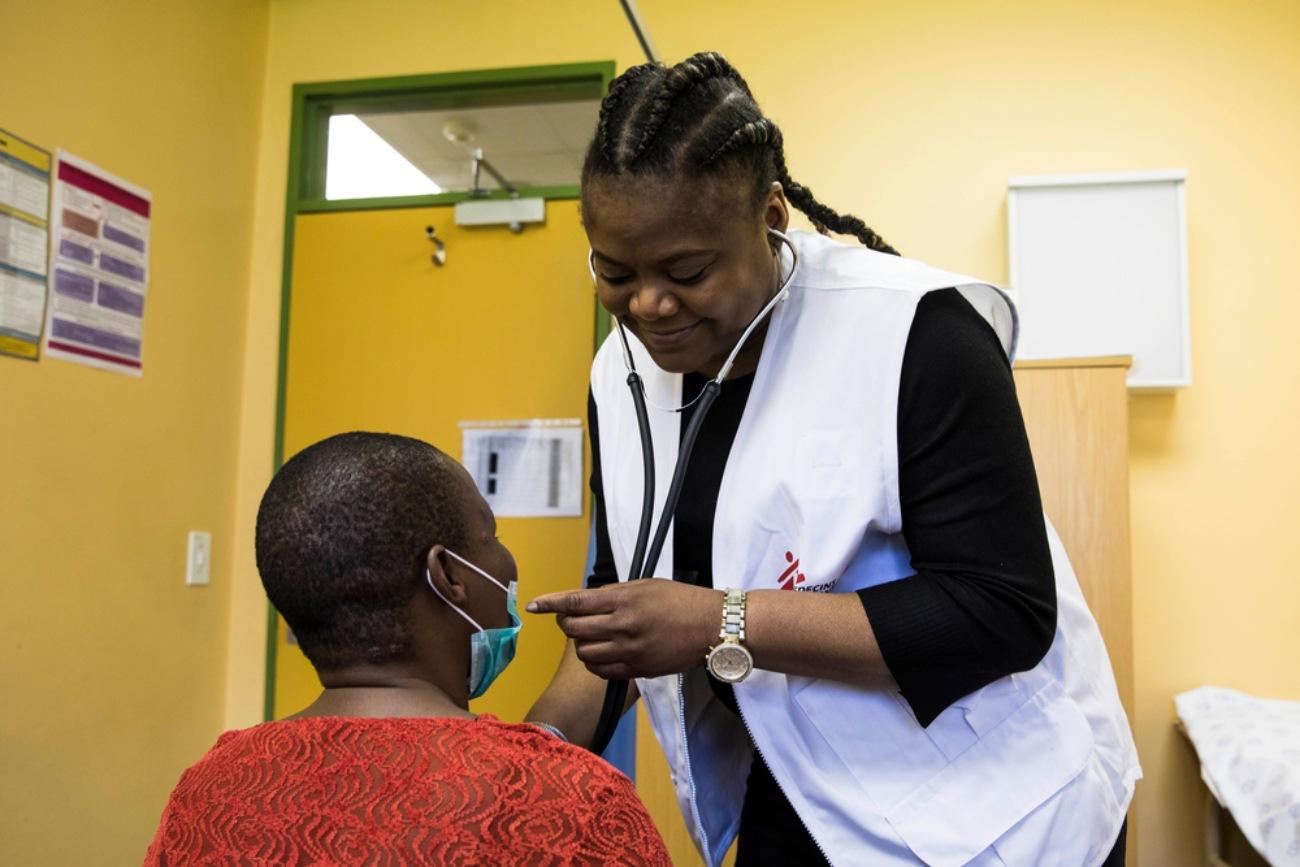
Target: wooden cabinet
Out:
[1076,413]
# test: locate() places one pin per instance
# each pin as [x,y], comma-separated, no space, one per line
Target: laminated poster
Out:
[530,468]
[99,268]
[24,244]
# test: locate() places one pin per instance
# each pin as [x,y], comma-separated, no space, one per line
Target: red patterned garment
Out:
[352,790]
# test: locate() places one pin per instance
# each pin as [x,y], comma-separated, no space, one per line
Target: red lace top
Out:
[349,790]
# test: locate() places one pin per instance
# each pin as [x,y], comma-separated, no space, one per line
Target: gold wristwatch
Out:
[729,660]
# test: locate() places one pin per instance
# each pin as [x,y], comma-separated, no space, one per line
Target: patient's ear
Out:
[449,586]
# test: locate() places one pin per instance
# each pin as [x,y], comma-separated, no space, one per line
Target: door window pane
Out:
[362,165]
[409,153]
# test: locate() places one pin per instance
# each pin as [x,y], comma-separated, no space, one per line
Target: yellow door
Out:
[381,339]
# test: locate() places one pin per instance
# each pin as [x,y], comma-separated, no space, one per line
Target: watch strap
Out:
[733,616]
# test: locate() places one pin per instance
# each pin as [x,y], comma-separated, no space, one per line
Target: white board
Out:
[1099,267]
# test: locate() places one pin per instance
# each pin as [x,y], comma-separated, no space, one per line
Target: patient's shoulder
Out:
[559,765]
[574,799]
[478,788]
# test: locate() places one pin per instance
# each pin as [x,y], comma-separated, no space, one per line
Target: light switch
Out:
[199,564]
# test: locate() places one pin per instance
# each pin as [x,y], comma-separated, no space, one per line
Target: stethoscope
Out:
[616,690]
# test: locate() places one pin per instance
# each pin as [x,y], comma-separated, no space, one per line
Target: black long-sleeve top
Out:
[982,601]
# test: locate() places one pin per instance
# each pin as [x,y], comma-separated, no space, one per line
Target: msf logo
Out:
[791,577]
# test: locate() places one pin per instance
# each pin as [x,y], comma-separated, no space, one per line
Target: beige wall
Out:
[113,669]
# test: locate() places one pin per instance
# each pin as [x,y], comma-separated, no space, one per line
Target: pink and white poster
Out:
[99,268]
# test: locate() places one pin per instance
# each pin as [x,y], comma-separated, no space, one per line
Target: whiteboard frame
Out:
[1178,176]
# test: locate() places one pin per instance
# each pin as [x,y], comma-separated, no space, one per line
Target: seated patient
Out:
[383,558]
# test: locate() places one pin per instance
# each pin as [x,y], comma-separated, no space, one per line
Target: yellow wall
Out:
[113,669]
[912,115]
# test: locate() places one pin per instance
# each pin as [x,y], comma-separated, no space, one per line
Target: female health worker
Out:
[934,690]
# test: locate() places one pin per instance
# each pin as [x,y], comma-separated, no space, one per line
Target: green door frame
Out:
[312,106]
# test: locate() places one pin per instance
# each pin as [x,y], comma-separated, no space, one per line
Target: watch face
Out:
[730,663]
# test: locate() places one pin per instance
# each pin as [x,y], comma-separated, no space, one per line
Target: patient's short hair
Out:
[342,535]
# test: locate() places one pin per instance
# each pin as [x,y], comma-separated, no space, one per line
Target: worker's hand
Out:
[639,628]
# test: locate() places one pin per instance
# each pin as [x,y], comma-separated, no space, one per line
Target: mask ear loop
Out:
[782,293]
[465,562]
[428,577]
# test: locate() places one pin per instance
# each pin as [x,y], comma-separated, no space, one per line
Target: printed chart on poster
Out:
[24,244]
[99,268]
[526,469]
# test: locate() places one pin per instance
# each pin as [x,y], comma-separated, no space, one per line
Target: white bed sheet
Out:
[1250,758]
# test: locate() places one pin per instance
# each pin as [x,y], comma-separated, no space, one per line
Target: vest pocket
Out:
[1015,766]
[967,719]
[874,735]
[946,810]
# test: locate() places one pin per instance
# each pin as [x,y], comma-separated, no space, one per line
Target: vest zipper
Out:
[750,734]
[686,754]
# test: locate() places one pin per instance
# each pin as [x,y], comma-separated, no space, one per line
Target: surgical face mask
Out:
[490,650]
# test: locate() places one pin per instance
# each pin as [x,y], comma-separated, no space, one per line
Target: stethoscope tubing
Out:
[643,560]
[611,708]
[648,469]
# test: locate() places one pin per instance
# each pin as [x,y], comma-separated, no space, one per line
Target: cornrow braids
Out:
[692,71]
[755,133]
[610,105]
[700,118]
[764,132]
[823,217]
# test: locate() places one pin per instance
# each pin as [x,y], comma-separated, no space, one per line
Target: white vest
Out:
[1037,768]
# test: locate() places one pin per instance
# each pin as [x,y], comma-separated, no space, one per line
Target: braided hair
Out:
[699,117]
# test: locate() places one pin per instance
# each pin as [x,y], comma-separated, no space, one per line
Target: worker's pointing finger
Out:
[577,602]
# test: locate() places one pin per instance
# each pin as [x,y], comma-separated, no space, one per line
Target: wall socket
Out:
[198,566]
